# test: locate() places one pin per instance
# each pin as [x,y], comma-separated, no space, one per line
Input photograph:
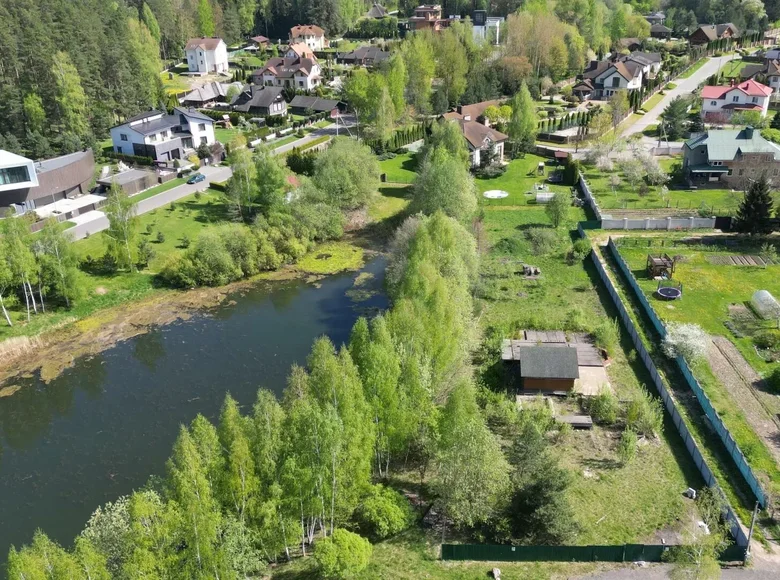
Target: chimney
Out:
[460,109]
[748,132]
[467,117]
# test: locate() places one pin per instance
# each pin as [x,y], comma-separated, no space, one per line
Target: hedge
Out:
[219,185]
[135,159]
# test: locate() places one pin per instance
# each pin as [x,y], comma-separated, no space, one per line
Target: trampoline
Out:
[668,290]
[496,194]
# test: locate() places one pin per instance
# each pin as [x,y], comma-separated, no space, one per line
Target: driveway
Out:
[95,221]
[684,87]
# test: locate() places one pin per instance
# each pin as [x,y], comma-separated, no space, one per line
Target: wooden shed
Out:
[660,265]
[548,368]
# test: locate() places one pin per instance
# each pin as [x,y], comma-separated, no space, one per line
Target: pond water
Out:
[104,426]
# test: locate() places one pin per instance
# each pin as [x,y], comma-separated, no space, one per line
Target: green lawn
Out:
[276,143]
[626,195]
[518,181]
[391,202]
[159,189]
[400,169]
[653,101]
[708,292]
[733,68]
[175,85]
[610,502]
[693,69]
[224,136]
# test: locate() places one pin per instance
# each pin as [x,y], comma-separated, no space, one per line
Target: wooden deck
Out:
[587,354]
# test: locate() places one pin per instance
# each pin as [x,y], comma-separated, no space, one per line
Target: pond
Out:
[105,425]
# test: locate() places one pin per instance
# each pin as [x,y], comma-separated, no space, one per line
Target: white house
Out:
[161,136]
[485,143]
[206,55]
[773,75]
[299,50]
[300,73]
[16,172]
[310,35]
[719,103]
[649,61]
[605,78]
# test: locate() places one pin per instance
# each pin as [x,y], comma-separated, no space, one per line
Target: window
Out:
[152,138]
[735,99]
[713,103]
[300,83]
[123,137]
[201,126]
[615,82]
[742,172]
[755,99]
[716,163]
[203,141]
[776,171]
[14,175]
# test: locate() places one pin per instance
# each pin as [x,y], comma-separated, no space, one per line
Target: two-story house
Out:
[768,72]
[260,100]
[299,50]
[161,136]
[299,73]
[310,35]
[206,55]
[649,61]
[428,17]
[485,144]
[719,103]
[604,78]
[730,156]
[709,32]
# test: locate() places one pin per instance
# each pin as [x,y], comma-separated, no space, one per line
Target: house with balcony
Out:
[718,103]
[428,17]
[298,73]
[206,55]
[27,185]
[161,136]
[310,35]
[732,157]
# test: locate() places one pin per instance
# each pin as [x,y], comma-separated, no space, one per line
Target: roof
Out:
[286,67]
[259,40]
[750,70]
[583,85]
[366,52]
[476,133]
[192,114]
[643,58]
[8,159]
[772,68]
[313,103]
[627,42]
[726,144]
[715,31]
[302,50]
[125,177]
[377,11]
[750,87]
[256,96]
[62,161]
[164,122]
[548,362]
[207,92]
[306,30]
[473,111]
[660,28]
[144,115]
[206,43]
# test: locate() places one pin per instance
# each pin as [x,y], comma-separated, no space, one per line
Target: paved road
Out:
[330,130]
[684,87]
[96,221]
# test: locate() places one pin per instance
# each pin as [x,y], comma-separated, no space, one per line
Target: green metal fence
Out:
[621,553]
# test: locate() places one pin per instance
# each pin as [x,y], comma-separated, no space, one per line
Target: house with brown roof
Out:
[206,55]
[208,94]
[428,17]
[299,50]
[377,11]
[257,43]
[309,34]
[709,32]
[485,144]
[604,78]
[363,56]
[299,73]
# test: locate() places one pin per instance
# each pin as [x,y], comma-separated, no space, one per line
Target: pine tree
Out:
[775,124]
[755,211]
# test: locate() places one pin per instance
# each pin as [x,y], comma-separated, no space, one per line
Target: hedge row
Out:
[134,159]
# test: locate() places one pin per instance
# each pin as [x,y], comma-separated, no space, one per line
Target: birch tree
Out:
[120,210]
[240,482]
[59,262]
[6,278]
[20,258]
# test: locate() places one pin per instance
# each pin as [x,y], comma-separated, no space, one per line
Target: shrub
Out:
[607,335]
[342,555]
[145,253]
[543,240]
[627,446]
[149,228]
[491,171]
[769,339]
[184,241]
[686,340]
[604,407]
[383,513]
[773,380]
[579,250]
[644,415]
[160,237]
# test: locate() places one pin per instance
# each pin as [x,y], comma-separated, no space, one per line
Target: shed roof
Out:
[726,144]
[313,103]
[548,362]
[206,43]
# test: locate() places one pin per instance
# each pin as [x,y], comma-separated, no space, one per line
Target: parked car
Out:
[197,178]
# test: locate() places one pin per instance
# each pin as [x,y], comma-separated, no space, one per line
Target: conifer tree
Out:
[755,211]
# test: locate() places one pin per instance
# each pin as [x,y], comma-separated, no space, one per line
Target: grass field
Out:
[693,69]
[400,169]
[653,101]
[175,85]
[626,196]
[733,68]
[518,181]
[708,291]
[224,136]
[611,503]
[152,191]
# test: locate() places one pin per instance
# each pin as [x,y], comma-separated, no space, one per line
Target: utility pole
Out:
[750,533]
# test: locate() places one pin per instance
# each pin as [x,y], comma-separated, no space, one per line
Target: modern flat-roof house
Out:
[206,55]
[161,136]
[428,17]
[732,157]
[719,103]
[260,100]
[299,73]
[310,35]
[486,28]
[363,56]
[26,184]
[709,32]
[301,105]
[484,143]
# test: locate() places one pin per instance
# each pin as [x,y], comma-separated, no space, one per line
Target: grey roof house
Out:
[732,157]
[302,105]
[260,100]
[209,94]
[363,56]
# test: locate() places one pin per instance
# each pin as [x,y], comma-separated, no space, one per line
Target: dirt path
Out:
[740,379]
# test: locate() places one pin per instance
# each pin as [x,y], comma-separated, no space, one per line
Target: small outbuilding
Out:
[548,368]
[660,266]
